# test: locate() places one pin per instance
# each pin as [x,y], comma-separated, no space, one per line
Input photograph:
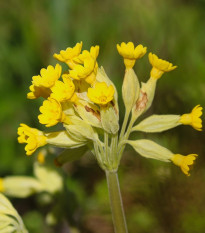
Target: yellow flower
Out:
[69,54]
[1,185]
[131,53]
[33,137]
[37,92]
[48,76]
[63,91]
[101,93]
[52,113]
[193,118]
[184,162]
[159,66]
[87,71]
[94,52]
[85,65]
[41,156]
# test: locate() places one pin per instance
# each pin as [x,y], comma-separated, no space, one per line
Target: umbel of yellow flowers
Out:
[84,100]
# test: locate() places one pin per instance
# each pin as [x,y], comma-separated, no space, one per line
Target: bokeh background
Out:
[157,197]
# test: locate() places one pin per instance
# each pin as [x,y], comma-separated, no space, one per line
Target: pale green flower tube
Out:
[157,123]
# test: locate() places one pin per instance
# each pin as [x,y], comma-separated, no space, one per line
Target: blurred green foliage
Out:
[157,196]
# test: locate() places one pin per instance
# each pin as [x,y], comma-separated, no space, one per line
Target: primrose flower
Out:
[87,71]
[101,93]
[86,65]
[94,52]
[131,53]
[159,66]
[52,113]
[48,76]
[37,92]
[63,91]
[193,118]
[184,162]
[33,137]
[69,54]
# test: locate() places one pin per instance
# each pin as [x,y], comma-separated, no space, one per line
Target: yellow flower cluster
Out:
[84,100]
[68,100]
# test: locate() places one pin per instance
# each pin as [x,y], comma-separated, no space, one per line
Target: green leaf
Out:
[71,155]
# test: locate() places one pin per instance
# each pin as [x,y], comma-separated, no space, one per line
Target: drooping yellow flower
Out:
[33,137]
[131,53]
[101,93]
[87,71]
[37,92]
[193,118]
[1,185]
[184,162]
[52,113]
[159,66]
[63,91]
[69,54]
[48,76]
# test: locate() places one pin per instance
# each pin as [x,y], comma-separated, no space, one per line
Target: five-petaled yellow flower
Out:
[193,118]
[52,113]
[63,91]
[184,162]
[130,53]
[69,54]
[33,137]
[48,76]
[94,52]
[37,92]
[159,66]
[101,93]
[86,71]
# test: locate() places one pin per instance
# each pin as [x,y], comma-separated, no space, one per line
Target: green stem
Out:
[121,145]
[113,152]
[106,142]
[117,210]
[124,123]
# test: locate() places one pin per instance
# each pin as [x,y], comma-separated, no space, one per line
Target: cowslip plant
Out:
[85,101]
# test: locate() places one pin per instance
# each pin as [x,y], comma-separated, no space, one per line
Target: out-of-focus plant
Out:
[10,221]
[85,101]
[48,185]
[24,186]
